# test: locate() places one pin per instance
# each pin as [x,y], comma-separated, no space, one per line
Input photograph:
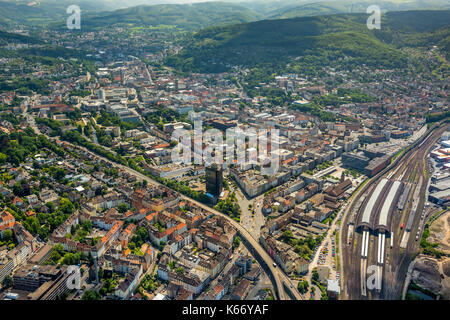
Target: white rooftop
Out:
[333,285]
[159,296]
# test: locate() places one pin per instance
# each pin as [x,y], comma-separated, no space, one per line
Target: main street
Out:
[252,218]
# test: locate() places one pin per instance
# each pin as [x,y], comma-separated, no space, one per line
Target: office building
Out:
[214,180]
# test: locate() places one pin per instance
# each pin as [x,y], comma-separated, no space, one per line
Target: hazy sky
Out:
[129,3]
[194,1]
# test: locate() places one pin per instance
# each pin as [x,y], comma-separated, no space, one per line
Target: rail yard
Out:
[383,225]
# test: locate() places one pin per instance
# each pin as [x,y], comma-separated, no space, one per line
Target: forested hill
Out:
[6,37]
[339,39]
[353,6]
[41,13]
[185,16]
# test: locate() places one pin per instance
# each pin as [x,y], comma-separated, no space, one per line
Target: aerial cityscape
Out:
[239,150]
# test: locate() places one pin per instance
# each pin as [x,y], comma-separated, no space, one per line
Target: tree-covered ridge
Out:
[184,16]
[6,37]
[416,29]
[343,39]
[100,14]
[44,12]
[352,6]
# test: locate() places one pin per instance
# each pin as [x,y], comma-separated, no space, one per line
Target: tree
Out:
[51,206]
[311,242]
[3,158]
[91,295]
[122,207]
[71,258]
[7,282]
[236,242]
[7,235]
[21,189]
[287,235]
[59,248]
[87,225]
[180,270]
[315,276]
[143,234]
[66,206]
[303,286]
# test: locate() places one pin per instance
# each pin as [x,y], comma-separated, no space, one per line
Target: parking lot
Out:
[327,257]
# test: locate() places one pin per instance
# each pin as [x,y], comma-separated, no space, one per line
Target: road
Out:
[251,219]
[327,240]
[277,276]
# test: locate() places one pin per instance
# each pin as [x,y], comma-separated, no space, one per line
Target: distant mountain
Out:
[41,13]
[342,38]
[325,7]
[267,7]
[193,16]
[188,16]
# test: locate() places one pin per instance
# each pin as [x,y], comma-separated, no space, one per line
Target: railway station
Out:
[376,211]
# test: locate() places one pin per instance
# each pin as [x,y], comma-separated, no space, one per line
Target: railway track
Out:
[391,260]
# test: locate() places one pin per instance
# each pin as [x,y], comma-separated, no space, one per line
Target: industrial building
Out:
[363,163]
[356,161]
[440,198]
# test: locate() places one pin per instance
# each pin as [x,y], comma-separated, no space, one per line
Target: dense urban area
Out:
[87,136]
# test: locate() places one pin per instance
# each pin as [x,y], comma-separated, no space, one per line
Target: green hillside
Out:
[6,37]
[100,13]
[352,6]
[188,17]
[42,13]
[316,41]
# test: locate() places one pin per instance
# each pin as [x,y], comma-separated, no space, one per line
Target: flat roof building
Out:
[386,209]
[333,289]
[367,213]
